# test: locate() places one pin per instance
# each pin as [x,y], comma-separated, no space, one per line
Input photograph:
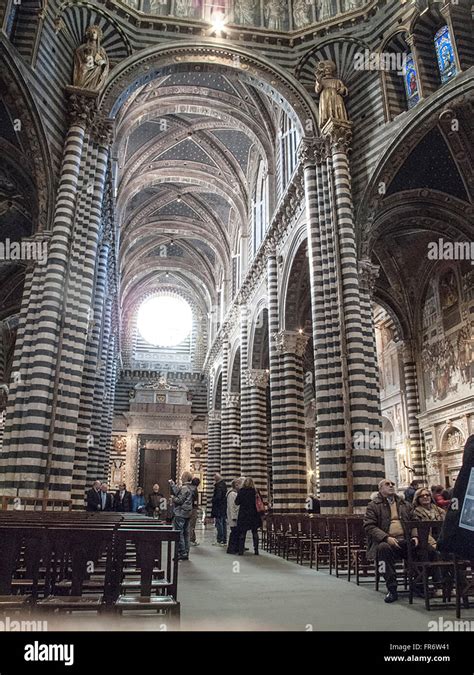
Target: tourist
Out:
[138,501]
[93,497]
[248,517]
[219,509]
[383,523]
[123,499]
[438,498]
[457,535]
[182,499]
[156,502]
[425,509]
[232,516]
[411,489]
[106,499]
[194,513]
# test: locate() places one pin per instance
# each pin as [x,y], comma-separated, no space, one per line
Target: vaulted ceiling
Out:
[187,148]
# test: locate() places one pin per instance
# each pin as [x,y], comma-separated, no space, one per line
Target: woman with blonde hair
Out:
[248,518]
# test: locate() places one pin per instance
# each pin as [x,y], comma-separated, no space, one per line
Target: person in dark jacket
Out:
[106,499]
[248,518]
[219,509]
[456,537]
[123,499]
[194,513]
[411,489]
[93,497]
[182,498]
[383,524]
[156,504]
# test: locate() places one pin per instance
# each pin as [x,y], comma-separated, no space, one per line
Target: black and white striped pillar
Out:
[290,347]
[231,465]
[417,450]
[256,461]
[276,488]
[213,454]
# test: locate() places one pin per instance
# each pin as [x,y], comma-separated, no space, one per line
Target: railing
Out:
[12,503]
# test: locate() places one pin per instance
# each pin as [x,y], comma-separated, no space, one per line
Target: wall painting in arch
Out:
[447,356]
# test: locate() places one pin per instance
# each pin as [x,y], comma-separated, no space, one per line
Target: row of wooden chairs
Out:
[100,562]
[338,543]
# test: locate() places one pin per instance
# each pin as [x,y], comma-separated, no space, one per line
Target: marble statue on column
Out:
[301,13]
[275,14]
[331,92]
[184,8]
[244,12]
[91,63]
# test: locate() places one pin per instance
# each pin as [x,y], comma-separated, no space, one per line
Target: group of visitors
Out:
[155,505]
[440,495]
[241,508]
[387,512]
[98,498]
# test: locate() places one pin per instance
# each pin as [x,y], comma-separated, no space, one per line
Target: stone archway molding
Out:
[253,69]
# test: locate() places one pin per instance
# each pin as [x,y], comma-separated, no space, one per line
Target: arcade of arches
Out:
[207,263]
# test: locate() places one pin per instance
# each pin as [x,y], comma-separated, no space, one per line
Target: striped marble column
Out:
[417,450]
[85,436]
[245,429]
[29,430]
[277,479]
[226,449]
[213,454]
[331,400]
[290,346]
[256,461]
[93,460]
[366,458]
[107,407]
[231,465]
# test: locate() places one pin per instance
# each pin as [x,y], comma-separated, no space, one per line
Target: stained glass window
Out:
[445,54]
[411,81]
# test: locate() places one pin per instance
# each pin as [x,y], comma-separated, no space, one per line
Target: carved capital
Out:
[270,248]
[339,135]
[306,151]
[214,416]
[291,342]
[231,399]
[368,273]
[406,350]
[101,130]
[255,378]
[81,106]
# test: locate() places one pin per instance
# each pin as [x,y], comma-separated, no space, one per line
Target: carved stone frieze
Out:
[255,378]
[368,274]
[231,399]
[291,342]
[339,135]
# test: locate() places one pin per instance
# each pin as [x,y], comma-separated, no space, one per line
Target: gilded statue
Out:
[91,63]
[331,91]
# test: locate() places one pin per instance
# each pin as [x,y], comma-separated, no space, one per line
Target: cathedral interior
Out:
[236,238]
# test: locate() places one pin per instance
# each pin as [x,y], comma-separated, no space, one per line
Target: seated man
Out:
[383,524]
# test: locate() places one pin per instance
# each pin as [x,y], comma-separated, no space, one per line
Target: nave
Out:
[221,592]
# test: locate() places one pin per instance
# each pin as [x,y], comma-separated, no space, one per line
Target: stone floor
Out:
[222,592]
